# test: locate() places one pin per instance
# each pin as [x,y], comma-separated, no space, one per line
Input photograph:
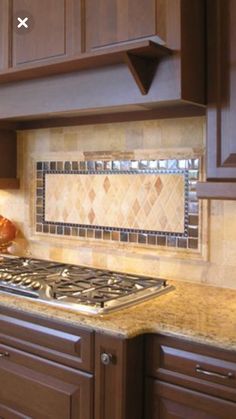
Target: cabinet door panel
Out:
[112,21]
[37,388]
[166,401]
[54,30]
[221,122]
[4,33]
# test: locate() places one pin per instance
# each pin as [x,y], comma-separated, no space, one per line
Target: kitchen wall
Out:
[213,263]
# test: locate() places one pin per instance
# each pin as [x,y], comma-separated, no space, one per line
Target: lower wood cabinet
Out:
[186,380]
[33,387]
[166,401]
[50,369]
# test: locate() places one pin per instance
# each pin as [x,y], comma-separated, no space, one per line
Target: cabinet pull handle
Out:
[200,370]
[4,354]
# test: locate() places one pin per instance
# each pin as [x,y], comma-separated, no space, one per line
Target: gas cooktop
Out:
[84,289]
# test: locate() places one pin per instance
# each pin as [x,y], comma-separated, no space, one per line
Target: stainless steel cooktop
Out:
[84,289]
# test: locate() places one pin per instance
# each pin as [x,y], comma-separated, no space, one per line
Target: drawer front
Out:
[32,387]
[168,401]
[187,364]
[59,342]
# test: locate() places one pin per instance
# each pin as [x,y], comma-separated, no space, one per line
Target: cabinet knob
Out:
[4,354]
[106,359]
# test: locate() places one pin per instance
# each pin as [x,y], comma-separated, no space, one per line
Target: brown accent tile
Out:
[39,175]
[39,210]
[39,201]
[115,235]
[193,220]
[193,232]
[46,228]
[193,243]
[60,165]
[161,240]
[182,242]
[90,233]
[82,232]
[106,235]
[39,219]
[52,229]
[67,231]
[133,237]
[74,231]
[39,183]
[39,228]
[98,234]
[152,239]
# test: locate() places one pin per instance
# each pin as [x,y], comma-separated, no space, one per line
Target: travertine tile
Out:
[161,139]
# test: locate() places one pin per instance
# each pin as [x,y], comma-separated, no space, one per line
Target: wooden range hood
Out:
[143,80]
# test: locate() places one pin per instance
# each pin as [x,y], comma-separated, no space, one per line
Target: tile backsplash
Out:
[214,226]
[150,202]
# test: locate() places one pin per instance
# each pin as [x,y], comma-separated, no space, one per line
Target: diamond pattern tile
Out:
[136,201]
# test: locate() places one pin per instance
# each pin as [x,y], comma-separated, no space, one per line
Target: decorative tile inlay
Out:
[126,201]
[150,202]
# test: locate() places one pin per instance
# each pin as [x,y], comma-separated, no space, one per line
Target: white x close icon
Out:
[22,22]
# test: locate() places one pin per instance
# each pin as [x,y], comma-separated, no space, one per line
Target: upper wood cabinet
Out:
[8,163]
[221,101]
[109,22]
[54,31]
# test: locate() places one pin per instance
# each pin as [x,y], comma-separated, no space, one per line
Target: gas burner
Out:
[84,289]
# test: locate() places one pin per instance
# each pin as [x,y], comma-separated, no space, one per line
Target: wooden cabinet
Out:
[54,31]
[161,42]
[46,368]
[51,370]
[221,103]
[118,377]
[109,22]
[8,160]
[184,379]
[166,401]
[33,387]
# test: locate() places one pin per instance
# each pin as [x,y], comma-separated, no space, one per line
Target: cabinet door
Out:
[166,401]
[31,387]
[221,121]
[54,30]
[112,21]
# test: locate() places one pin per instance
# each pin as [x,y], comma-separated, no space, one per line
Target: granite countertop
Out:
[200,313]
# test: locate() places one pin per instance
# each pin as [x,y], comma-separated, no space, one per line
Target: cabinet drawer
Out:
[53,340]
[32,387]
[168,401]
[194,365]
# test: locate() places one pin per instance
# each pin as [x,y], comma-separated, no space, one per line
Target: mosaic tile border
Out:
[190,169]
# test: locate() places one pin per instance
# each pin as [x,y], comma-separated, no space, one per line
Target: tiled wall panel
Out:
[152,202]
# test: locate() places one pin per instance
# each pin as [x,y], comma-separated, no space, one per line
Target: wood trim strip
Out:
[216,190]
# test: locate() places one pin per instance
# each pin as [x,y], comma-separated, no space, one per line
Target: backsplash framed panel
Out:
[143,202]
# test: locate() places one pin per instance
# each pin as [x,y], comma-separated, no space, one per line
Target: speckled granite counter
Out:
[195,312]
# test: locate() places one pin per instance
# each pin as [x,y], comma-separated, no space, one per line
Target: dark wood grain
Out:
[175,388]
[112,21]
[8,157]
[167,401]
[118,386]
[38,388]
[221,121]
[64,344]
[216,190]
